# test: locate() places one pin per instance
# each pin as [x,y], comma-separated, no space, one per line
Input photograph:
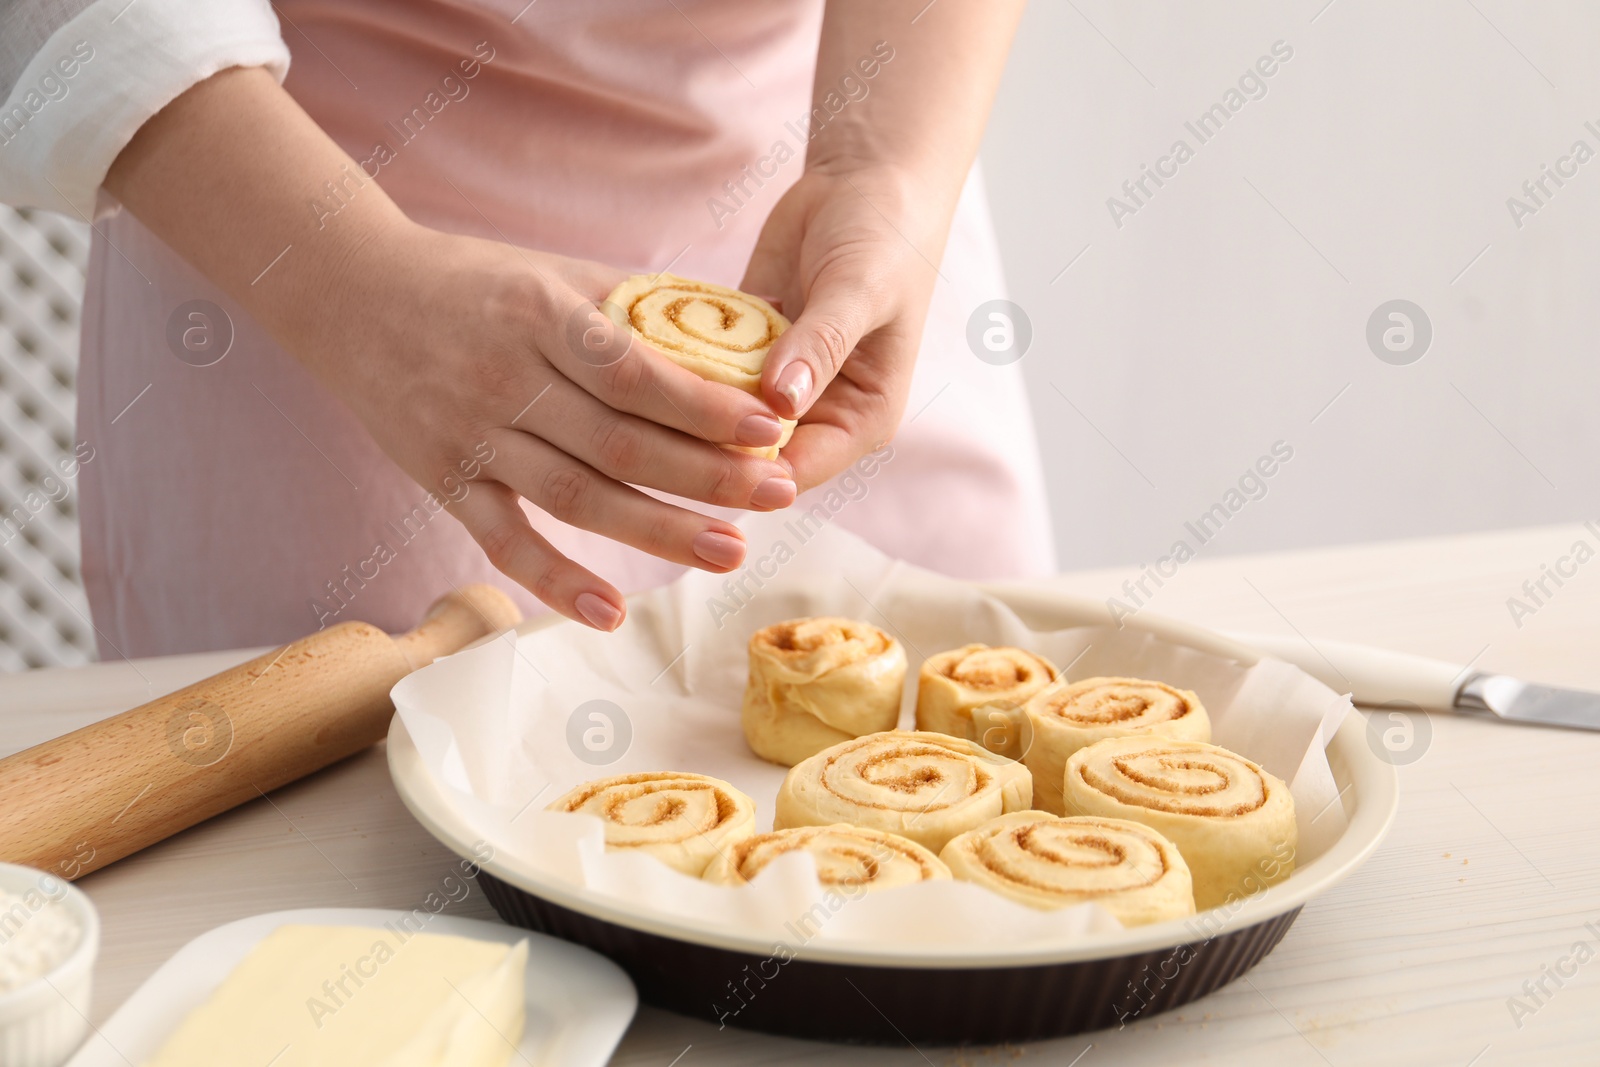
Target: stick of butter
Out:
[320,996]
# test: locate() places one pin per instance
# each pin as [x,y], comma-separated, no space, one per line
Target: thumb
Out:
[808,355]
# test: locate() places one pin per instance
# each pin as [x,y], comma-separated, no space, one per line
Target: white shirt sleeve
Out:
[82,94]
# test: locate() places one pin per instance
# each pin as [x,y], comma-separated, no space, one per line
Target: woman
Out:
[318,286]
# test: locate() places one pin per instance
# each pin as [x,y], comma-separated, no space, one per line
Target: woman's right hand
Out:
[442,344]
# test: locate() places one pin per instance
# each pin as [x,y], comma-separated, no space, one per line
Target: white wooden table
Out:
[1485,883]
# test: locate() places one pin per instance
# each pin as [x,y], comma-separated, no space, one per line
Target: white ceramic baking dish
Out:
[993,993]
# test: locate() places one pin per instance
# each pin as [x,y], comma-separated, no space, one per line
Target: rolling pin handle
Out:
[456,620]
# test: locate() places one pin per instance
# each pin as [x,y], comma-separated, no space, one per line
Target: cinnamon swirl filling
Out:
[720,334]
[1233,821]
[1074,857]
[683,819]
[1048,862]
[1129,703]
[1214,783]
[706,322]
[848,858]
[925,786]
[976,692]
[903,776]
[1063,719]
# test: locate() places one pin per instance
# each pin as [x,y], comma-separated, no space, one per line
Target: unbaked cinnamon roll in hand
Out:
[816,682]
[721,334]
[1233,822]
[684,820]
[1047,862]
[848,858]
[925,786]
[1065,718]
[977,692]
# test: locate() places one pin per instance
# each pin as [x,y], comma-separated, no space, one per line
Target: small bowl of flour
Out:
[49,937]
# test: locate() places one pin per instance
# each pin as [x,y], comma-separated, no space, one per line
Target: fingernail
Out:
[795,385]
[775,492]
[757,430]
[601,613]
[719,549]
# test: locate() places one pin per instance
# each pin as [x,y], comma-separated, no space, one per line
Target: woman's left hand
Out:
[853,251]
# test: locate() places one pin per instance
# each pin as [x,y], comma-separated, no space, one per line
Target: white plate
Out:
[1368,785]
[579,1003]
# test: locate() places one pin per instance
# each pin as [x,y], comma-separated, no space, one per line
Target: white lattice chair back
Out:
[44,619]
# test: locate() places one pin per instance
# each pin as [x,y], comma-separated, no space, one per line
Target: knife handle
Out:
[1372,676]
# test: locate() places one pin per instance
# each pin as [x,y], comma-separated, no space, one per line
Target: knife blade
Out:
[1514,700]
[1377,677]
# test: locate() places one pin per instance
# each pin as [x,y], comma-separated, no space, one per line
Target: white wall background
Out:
[1230,310]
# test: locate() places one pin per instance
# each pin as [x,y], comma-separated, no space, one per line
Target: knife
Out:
[1377,677]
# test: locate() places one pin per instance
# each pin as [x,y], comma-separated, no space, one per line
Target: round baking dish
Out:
[837,992]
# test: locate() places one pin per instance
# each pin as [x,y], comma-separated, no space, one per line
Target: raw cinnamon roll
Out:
[848,857]
[721,334]
[816,682]
[1046,862]
[684,820]
[1063,719]
[925,786]
[977,692]
[1233,822]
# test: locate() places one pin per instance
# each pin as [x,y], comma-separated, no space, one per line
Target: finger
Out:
[495,520]
[572,492]
[631,449]
[819,450]
[602,355]
[847,424]
[837,315]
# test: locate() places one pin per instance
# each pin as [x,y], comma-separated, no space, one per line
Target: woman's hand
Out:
[843,248]
[902,90]
[441,344]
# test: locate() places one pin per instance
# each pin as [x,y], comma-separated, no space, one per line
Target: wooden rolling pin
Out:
[88,798]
